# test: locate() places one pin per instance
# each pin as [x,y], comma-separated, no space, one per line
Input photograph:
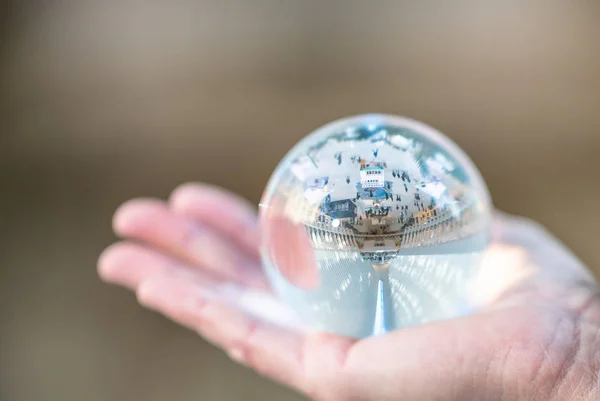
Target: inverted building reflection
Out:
[395,226]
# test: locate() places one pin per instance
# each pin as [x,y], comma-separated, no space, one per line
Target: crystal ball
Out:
[373,223]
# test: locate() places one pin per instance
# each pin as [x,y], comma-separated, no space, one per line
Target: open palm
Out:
[195,258]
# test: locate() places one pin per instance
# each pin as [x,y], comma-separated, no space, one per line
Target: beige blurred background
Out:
[103,101]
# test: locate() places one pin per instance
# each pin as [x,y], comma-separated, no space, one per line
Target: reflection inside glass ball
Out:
[374,223]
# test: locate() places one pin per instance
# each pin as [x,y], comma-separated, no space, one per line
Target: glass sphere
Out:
[373,223]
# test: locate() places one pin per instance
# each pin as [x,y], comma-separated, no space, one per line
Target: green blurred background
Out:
[103,101]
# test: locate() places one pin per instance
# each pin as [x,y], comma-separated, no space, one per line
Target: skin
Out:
[536,337]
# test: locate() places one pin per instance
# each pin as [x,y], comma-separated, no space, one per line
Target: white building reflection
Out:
[396,228]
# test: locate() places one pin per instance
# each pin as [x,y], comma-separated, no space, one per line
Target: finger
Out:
[226,212]
[268,348]
[152,222]
[129,264]
[220,313]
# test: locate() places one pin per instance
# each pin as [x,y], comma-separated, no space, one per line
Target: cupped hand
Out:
[537,336]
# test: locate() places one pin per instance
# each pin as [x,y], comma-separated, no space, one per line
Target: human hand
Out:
[537,336]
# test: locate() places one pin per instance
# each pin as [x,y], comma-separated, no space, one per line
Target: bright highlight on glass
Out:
[373,223]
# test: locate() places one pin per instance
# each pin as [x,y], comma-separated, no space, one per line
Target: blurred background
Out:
[103,101]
